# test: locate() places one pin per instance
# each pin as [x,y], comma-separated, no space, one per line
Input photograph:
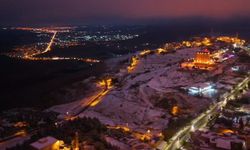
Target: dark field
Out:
[32,83]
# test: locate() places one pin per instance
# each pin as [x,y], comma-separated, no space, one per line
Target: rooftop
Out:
[44,142]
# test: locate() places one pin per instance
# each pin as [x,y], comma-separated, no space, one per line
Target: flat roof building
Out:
[46,143]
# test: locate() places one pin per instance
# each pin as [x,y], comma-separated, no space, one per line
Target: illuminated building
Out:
[205,89]
[161,51]
[202,60]
[187,43]
[225,131]
[46,143]
[107,83]
[133,64]
[206,42]
[235,68]
[197,43]
[145,52]
[232,40]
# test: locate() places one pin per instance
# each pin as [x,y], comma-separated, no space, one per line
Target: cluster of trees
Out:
[88,130]
[32,118]
[166,102]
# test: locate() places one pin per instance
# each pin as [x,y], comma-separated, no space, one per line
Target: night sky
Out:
[91,11]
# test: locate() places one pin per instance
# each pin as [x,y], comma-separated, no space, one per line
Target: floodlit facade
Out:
[206,89]
[202,60]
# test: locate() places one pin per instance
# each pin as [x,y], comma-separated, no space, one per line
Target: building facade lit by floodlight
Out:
[204,89]
[202,60]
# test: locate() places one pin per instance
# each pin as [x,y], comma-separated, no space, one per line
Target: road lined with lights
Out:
[35,57]
[48,47]
[87,60]
[92,102]
[202,120]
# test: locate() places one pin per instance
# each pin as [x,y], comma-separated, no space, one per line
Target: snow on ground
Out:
[156,77]
[133,103]
[117,143]
[123,112]
[74,106]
